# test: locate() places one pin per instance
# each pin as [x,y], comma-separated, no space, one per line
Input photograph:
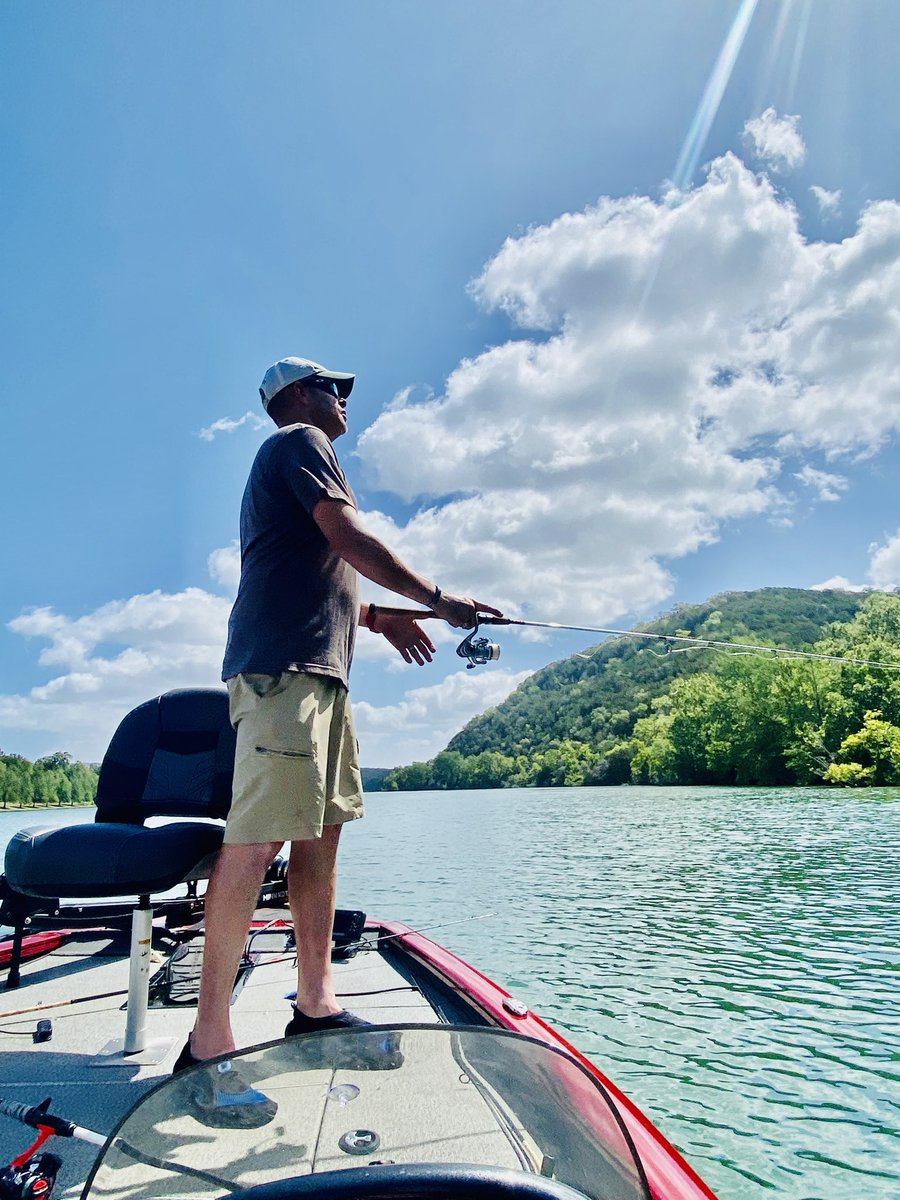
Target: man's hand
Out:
[407,636]
[460,611]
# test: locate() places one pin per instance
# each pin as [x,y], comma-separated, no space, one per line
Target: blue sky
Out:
[585,391]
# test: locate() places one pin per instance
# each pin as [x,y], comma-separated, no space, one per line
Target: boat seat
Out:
[171,757]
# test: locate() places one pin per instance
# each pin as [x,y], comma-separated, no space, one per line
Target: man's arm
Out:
[348,537]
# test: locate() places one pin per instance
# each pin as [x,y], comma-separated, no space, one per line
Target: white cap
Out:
[292,370]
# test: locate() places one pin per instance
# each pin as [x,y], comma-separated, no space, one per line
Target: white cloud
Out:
[229,424]
[828,487]
[425,720]
[838,583]
[884,564]
[829,202]
[775,140]
[113,659]
[684,355]
[883,572]
[680,361]
[107,662]
[224,566]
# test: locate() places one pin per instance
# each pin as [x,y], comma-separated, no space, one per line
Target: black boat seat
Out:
[172,756]
[90,861]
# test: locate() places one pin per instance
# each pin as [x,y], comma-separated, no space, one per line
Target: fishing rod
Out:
[480,650]
[32,1174]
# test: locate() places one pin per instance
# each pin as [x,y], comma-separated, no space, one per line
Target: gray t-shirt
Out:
[297,601]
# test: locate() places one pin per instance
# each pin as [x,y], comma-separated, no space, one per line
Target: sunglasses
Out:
[323,385]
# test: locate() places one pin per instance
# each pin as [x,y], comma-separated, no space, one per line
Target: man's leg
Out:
[229,906]
[312,884]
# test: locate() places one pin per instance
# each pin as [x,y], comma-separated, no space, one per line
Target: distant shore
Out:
[42,807]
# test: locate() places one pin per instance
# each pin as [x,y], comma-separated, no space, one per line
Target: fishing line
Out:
[374,944]
[477,650]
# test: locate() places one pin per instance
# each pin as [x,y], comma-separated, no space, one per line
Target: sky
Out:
[620,285]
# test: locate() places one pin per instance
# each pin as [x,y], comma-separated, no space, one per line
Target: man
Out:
[290,644]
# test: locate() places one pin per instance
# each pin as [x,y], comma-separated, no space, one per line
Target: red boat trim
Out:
[670,1176]
[34,944]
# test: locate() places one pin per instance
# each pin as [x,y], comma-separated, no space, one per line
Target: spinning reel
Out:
[477,650]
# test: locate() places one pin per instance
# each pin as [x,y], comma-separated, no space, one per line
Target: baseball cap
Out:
[293,370]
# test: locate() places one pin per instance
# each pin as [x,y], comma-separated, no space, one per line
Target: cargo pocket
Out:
[273,753]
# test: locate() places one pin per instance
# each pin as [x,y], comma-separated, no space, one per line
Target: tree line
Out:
[733,719]
[53,780]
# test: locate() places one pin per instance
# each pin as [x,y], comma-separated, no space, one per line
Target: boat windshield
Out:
[393,1096]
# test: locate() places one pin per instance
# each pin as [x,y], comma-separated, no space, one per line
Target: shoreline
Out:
[42,807]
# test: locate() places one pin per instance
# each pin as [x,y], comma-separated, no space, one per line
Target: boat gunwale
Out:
[670,1175]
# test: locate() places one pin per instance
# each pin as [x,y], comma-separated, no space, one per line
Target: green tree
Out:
[653,756]
[871,755]
[18,781]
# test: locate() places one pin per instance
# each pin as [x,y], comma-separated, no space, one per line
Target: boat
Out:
[457,1089]
[33,944]
[465,1085]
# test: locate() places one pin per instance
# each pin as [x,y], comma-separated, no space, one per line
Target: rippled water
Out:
[728,956]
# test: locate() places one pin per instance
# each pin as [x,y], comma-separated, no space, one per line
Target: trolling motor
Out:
[477,650]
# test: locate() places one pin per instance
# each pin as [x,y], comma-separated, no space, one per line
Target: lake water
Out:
[728,956]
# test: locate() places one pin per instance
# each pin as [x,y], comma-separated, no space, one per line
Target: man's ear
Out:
[288,405]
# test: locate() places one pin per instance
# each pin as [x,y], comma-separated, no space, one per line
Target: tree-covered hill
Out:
[598,700]
[629,711]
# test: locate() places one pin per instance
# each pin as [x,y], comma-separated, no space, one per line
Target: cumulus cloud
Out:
[775,140]
[425,720]
[838,583]
[828,487]
[224,566]
[677,365]
[884,564]
[229,424]
[829,202]
[680,359]
[105,663]
[883,572]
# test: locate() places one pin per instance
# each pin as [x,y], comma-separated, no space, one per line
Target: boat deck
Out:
[426,1105]
[82,1067]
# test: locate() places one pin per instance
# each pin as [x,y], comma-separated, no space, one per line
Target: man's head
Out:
[299,390]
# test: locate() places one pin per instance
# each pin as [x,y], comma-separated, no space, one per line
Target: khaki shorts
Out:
[296,767]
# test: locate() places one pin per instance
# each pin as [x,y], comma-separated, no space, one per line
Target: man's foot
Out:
[301,1023]
[224,1100]
[220,1096]
[366,1047]
[185,1059]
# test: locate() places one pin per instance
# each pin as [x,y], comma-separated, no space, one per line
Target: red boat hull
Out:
[34,944]
[669,1176]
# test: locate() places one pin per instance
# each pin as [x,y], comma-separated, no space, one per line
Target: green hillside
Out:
[629,712]
[599,699]
[373,777]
